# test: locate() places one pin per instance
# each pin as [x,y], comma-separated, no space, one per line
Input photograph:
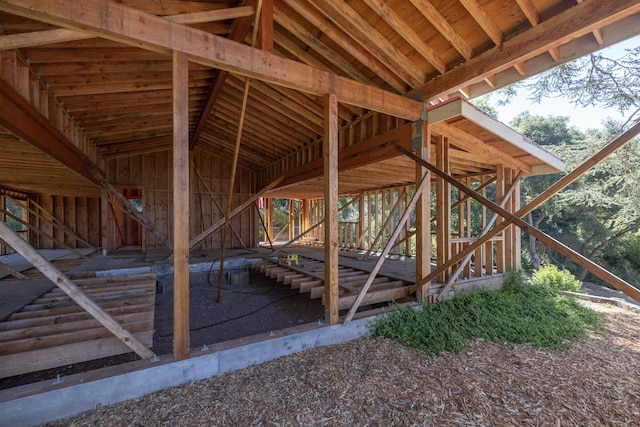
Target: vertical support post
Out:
[515,200]
[443,207]
[423,210]
[104,221]
[500,183]
[292,220]
[361,228]
[509,257]
[330,153]
[181,205]
[270,217]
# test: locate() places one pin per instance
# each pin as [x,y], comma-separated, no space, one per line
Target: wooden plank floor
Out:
[308,276]
[52,330]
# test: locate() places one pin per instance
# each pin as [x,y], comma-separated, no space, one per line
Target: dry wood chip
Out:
[379,382]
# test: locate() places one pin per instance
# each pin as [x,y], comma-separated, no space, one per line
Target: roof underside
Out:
[428,50]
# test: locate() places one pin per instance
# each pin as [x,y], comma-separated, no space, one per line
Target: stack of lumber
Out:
[308,276]
[52,330]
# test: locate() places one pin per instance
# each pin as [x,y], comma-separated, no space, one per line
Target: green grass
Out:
[518,313]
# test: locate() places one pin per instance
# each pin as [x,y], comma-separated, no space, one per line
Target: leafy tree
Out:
[595,212]
[595,80]
[604,202]
[554,135]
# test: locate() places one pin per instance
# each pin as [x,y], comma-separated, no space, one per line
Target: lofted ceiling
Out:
[120,95]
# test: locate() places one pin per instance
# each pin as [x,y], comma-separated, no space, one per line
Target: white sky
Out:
[582,118]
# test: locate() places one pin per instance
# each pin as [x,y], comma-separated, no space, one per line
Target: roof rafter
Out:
[407,33]
[130,26]
[344,41]
[370,38]
[429,11]
[556,31]
[483,19]
[37,38]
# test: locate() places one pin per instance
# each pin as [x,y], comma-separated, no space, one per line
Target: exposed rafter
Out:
[557,30]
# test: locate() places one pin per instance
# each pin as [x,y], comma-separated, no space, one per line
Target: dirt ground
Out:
[379,382]
[260,306]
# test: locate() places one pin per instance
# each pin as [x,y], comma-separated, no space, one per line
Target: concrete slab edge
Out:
[74,400]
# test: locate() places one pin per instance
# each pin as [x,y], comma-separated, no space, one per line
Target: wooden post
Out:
[361,227]
[180,206]
[104,221]
[443,207]
[270,216]
[72,290]
[500,245]
[330,153]
[423,210]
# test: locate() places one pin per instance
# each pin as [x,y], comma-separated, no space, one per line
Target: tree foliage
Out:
[595,80]
[597,211]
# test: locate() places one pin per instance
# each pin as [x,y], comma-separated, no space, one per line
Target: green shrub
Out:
[552,277]
[518,313]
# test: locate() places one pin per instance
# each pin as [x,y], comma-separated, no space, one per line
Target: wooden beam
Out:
[266,26]
[405,31]
[21,118]
[239,33]
[405,216]
[181,206]
[557,30]
[443,206]
[234,164]
[376,149]
[72,290]
[343,40]
[127,25]
[12,271]
[530,11]
[480,15]
[330,154]
[354,24]
[47,37]
[431,13]
[232,181]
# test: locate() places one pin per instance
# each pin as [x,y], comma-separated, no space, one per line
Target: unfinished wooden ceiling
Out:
[120,95]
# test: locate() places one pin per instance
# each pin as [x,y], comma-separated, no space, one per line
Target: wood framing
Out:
[180,207]
[330,152]
[114,110]
[70,288]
